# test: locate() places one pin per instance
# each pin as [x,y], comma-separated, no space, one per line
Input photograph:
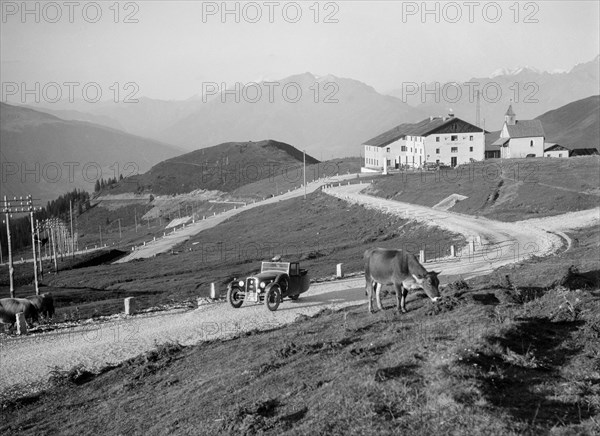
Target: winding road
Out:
[29,359]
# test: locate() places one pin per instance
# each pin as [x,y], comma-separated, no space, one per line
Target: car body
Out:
[276,281]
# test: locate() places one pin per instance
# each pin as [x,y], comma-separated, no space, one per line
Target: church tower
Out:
[509,116]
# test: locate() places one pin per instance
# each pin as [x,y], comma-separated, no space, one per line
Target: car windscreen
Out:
[275,266]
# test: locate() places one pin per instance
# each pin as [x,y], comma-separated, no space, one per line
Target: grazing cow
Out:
[401,269]
[9,307]
[44,303]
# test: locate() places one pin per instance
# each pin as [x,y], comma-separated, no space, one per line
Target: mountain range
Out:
[47,156]
[530,91]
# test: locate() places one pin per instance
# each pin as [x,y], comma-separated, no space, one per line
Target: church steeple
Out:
[510,117]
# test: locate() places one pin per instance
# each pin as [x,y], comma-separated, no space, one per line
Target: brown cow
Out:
[401,269]
[9,307]
[44,303]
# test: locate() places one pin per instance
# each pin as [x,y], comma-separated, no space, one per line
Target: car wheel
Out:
[273,298]
[234,297]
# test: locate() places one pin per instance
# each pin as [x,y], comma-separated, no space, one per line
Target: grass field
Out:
[506,190]
[499,355]
[320,232]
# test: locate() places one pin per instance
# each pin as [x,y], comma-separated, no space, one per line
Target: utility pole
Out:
[41,265]
[119,229]
[72,233]
[11,268]
[26,206]
[135,218]
[100,229]
[304,171]
[51,224]
[35,266]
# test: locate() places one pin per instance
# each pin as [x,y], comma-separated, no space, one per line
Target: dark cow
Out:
[9,307]
[44,303]
[401,269]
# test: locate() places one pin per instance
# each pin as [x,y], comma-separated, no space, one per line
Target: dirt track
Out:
[29,359]
[173,239]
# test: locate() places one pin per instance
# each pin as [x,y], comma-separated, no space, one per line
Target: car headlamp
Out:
[262,285]
[241,283]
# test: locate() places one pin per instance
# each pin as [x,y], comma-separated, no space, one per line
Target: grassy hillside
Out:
[498,356]
[575,125]
[223,167]
[506,190]
[83,152]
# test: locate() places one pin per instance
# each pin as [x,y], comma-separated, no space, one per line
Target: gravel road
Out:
[29,359]
[173,239]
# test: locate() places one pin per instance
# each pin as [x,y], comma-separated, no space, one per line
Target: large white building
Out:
[520,138]
[447,140]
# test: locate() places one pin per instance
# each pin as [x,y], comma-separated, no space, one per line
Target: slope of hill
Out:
[575,125]
[47,156]
[531,93]
[331,118]
[223,167]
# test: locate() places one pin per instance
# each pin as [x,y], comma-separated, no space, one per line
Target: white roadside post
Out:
[339,273]
[129,306]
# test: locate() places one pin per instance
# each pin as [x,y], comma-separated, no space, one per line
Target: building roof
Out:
[551,146]
[500,142]
[390,136]
[425,127]
[490,138]
[583,152]
[525,129]
[510,112]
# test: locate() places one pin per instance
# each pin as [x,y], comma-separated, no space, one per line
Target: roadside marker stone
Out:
[213,292]
[21,324]
[129,306]
[339,273]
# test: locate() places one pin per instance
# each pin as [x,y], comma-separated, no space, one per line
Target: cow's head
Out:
[430,284]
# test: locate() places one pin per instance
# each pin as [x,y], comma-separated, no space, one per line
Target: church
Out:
[520,138]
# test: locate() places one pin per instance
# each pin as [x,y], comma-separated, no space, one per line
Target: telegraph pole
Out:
[72,234]
[11,268]
[41,265]
[26,207]
[304,171]
[100,229]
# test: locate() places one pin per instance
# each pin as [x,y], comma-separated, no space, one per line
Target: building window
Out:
[437,139]
[437,151]
[470,138]
[559,154]
[454,138]
[454,149]
[531,143]
[388,149]
[403,148]
[470,148]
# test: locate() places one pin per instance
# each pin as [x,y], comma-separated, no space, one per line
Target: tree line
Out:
[102,184]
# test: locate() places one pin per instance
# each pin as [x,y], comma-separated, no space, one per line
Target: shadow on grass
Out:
[520,378]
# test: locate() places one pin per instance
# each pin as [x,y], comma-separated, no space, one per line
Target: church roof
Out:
[525,129]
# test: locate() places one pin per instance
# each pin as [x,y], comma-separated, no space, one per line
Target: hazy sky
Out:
[173,47]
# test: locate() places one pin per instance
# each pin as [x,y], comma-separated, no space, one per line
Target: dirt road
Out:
[172,239]
[29,359]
